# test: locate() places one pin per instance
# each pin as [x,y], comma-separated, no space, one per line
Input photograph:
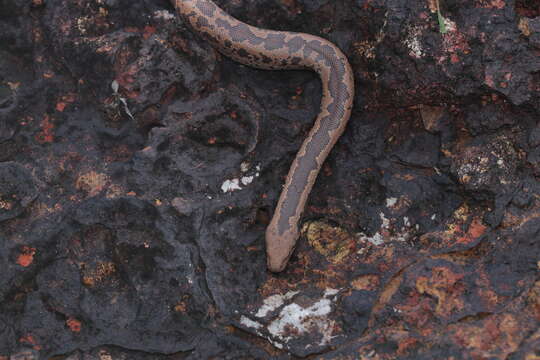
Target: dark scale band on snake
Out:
[276,50]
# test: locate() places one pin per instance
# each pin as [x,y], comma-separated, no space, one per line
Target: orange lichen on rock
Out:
[29,339]
[475,230]
[497,335]
[74,324]
[447,287]
[46,134]
[27,256]
[366,282]
[92,182]
[64,101]
[97,275]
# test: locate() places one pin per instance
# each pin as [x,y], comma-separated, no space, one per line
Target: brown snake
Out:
[276,50]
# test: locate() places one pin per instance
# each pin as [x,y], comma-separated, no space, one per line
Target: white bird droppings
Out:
[230,185]
[305,320]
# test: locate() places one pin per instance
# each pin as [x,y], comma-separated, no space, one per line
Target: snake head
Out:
[279,248]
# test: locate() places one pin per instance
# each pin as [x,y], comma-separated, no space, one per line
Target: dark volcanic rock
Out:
[17,190]
[139,169]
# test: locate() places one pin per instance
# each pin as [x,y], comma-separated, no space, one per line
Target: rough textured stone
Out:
[139,169]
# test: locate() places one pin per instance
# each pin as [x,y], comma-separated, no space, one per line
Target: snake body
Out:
[276,50]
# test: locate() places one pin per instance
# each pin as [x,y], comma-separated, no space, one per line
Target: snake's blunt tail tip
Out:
[276,268]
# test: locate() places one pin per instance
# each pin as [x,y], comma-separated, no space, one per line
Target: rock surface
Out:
[139,169]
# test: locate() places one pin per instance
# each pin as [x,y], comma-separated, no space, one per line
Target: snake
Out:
[282,50]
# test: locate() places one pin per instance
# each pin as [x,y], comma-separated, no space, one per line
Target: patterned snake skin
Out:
[269,49]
